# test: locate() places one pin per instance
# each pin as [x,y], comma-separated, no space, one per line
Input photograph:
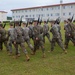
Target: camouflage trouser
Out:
[40,43]
[59,42]
[10,46]
[22,47]
[47,35]
[29,44]
[1,47]
[67,39]
[5,44]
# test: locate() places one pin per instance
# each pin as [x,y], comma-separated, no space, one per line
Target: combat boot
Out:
[43,55]
[66,47]
[18,55]
[32,53]
[65,51]
[50,51]
[27,57]
[15,57]
[9,53]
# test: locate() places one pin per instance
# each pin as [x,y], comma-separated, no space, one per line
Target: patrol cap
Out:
[30,22]
[11,24]
[45,21]
[65,20]
[69,19]
[35,20]
[52,21]
[17,22]
[24,22]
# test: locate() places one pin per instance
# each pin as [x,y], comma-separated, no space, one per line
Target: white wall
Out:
[3,16]
[69,10]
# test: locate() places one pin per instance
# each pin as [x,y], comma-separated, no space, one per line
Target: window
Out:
[26,15]
[52,8]
[63,14]
[63,7]
[25,10]
[19,16]
[16,16]
[58,7]
[47,8]
[71,6]
[47,14]
[51,14]
[41,9]
[42,15]
[69,13]
[22,10]
[13,11]
[33,15]
[57,14]
[30,15]
[30,10]
[13,16]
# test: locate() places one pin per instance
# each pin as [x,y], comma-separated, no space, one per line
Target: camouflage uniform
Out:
[38,38]
[68,35]
[27,38]
[20,40]
[46,32]
[30,30]
[3,38]
[11,39]
[56,38]
[59,28]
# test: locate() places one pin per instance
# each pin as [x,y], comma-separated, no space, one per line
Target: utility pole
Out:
[61,10]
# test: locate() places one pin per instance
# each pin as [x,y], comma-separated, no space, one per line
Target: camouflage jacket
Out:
[45,29]
[38,32]
[19,33]
[12,34]
[26,33]
[54,31]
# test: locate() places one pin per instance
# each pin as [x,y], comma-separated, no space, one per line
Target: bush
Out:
[6,21]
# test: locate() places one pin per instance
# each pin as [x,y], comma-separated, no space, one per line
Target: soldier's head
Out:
[39,23]
[69,20]
[35,22]
[16,23]
[11,25]
[45,22]
[30,23]
[65,22]
[24,24]
[52,22]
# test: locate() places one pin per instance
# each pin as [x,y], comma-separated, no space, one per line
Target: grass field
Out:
[55,63]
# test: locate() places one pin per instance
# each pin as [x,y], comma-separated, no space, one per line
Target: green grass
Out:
[55,63]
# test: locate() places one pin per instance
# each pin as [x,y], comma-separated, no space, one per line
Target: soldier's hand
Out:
[69,35]
[14,42]
[36,38]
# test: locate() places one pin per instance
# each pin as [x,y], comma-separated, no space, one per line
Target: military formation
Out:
[20,33]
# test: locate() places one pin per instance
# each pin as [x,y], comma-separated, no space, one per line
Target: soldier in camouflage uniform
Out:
[30,30]
[11,39]
[20,40]
[57,22]
[56,37]
[68,33]
[46,32]
[3,38]
[26,36]
[38,37]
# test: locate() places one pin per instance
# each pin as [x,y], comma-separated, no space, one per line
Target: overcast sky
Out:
[7,5]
